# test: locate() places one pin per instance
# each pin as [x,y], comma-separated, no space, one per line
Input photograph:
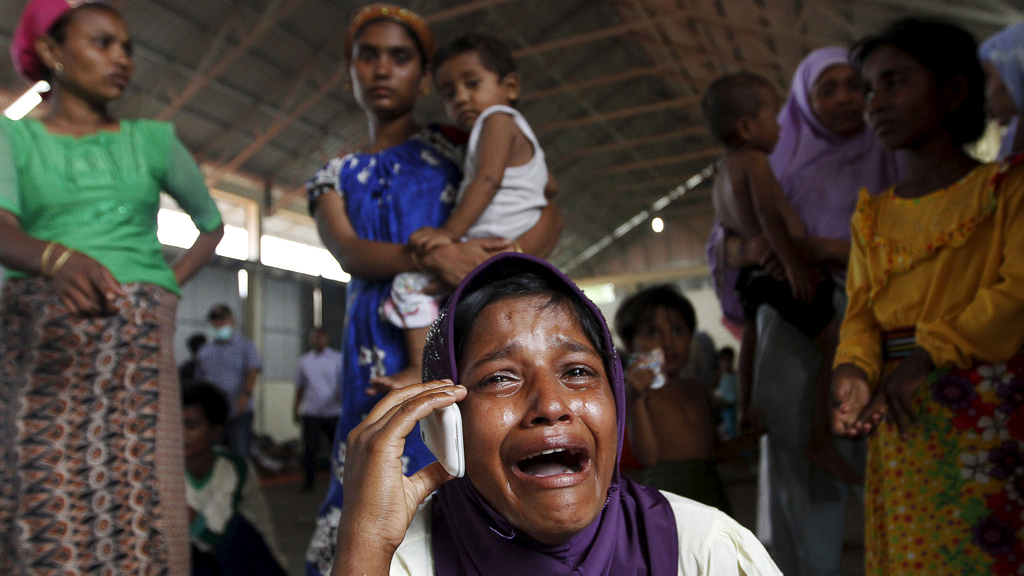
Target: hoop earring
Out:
[58,69]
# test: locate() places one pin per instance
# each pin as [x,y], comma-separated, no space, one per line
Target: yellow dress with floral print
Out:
[950,498]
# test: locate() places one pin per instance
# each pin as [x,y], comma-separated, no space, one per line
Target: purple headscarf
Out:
[820,172]
[1005,51]
[634,534]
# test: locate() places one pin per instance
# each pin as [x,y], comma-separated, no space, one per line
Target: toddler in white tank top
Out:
[502,191]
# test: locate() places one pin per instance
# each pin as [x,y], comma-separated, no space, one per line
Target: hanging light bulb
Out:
[657,224]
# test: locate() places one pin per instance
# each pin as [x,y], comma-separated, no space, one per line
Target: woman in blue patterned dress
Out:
[368,203]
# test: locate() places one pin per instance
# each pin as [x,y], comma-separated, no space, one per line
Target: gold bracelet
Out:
[47,252]
[516,247]
[64,257]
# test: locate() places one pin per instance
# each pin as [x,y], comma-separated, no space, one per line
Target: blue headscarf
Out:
[1005,51]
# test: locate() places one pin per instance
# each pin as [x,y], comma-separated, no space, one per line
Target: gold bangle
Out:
[64,257]
[416,261]
[47,252]
[516,247]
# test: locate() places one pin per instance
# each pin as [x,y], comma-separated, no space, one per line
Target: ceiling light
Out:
[27,101]
[657,224]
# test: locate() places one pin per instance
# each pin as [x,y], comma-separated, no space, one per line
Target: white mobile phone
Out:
[441,431]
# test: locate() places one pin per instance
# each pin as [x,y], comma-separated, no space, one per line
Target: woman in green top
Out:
[91,462]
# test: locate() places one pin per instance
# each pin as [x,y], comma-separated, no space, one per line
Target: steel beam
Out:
[705,154]
[686,102]
[278,10]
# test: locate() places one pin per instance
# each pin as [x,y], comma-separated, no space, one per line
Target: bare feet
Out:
[823,454]
[384,384]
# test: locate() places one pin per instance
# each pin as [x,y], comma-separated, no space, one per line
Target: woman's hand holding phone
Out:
[380,501]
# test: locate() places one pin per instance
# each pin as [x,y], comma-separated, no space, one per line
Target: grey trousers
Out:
[800,508]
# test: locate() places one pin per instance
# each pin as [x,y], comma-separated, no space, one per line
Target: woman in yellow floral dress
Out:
[932,336]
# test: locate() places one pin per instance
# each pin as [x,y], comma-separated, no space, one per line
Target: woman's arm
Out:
[85,286]
[367,259]
[198,255]
[543,237]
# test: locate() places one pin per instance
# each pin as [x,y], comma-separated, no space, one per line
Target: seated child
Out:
[231,530]
[502,191]
[740,110]
[669,421]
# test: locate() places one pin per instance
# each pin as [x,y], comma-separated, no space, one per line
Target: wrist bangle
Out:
[47,252]
[416,261]
[516,247]
[64,257]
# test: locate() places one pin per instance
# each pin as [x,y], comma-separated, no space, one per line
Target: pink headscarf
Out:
[37,19]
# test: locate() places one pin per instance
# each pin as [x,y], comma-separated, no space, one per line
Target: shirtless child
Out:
[670,428]
[740,110]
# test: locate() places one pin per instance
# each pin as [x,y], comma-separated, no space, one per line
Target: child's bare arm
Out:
[642,436]
[766,193]
[495,146]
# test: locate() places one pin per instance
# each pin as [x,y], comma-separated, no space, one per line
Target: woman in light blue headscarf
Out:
[1003,57]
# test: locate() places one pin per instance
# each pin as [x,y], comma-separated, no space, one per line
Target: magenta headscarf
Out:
[820,172]
[636,532]
[36,19]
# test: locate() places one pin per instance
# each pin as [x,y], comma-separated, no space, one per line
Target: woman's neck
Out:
[388,132]
[933,165]
[69,114]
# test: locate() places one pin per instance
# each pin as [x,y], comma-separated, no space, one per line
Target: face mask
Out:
[222,333]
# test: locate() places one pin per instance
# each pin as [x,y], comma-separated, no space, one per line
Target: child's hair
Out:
[726,351]
[494,54]
[640,307]
[731,98]
[207,397]
[196,341]
[948,52]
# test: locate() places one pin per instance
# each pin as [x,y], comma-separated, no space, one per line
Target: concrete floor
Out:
[295,513]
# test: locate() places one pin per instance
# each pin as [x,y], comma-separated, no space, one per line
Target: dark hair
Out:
[207,397]
[196,341]
[949,52]
[731,98]
[494,54]
[408,30]
[220,312]
[59,30]
[519,285]
[640,308]
[726,351]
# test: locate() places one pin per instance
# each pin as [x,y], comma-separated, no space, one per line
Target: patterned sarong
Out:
[950,499]
[90,436]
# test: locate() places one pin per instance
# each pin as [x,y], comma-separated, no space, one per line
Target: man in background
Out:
[317,399]
[231,363]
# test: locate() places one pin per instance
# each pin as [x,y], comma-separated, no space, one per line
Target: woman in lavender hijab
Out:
[824,157]
[531,364]
[1003,58]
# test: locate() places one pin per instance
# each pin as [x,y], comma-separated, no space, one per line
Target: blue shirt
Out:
[319,375]
[225,364]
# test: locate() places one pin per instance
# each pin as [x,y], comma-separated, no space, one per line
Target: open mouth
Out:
[553,462]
